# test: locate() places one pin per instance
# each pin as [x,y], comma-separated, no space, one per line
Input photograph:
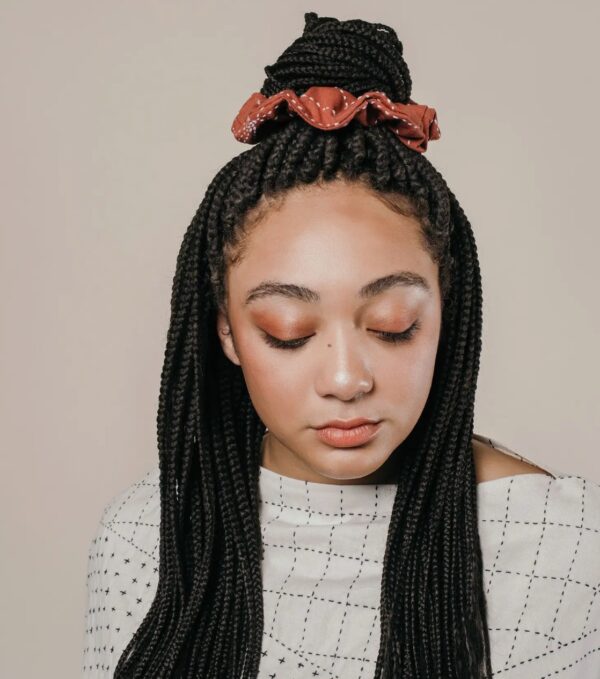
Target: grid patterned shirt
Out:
[323,548]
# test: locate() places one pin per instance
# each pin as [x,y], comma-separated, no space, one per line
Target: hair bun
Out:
[312,20]
[355,55]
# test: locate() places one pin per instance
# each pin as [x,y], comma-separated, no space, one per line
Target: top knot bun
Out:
[355,55]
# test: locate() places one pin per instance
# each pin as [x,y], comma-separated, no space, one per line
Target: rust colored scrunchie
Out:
[332,107]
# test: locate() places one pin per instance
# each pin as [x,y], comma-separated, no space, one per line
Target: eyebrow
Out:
[369,290]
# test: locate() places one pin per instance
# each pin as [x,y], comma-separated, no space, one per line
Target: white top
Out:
[322,564]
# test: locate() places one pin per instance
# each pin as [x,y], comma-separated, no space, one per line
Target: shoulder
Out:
[493,460]
[122,572]
[530,515]
[131,519]
[130,522]
[507,477]
[135,507]
[540,547]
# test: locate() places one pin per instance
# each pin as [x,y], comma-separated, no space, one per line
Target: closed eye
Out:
[390,337]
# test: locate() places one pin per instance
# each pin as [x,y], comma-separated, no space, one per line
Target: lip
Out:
[348,424]
[348,437]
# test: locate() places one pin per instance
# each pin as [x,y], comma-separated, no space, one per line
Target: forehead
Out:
[332,234]
[322,212]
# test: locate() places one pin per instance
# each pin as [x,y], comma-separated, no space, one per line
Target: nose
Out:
[344,370]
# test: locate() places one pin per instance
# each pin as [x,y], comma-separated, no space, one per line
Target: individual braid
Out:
[206,619]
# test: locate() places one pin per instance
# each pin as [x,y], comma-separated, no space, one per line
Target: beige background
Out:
[115,117]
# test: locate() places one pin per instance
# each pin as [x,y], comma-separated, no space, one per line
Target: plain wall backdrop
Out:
[116,116]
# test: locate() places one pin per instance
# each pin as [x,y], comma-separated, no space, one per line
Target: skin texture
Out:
[334,239]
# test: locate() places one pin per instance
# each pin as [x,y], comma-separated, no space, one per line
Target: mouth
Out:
[348,436]
[349,424]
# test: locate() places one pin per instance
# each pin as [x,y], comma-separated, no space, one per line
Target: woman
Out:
[322,506]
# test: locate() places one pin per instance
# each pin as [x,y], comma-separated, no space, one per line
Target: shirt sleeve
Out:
[122,575]
[97,647]
[541,552]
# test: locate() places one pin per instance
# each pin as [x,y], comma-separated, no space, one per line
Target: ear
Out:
[226,337]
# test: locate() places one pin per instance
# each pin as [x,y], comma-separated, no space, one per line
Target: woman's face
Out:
[318,272]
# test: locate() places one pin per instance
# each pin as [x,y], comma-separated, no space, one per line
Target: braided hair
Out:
[206,619]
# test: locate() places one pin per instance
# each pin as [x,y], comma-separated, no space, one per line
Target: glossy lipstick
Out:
[348,434]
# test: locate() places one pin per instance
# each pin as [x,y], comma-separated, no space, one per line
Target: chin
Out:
[348,464]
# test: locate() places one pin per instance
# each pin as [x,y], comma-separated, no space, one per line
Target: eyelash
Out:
[390,337]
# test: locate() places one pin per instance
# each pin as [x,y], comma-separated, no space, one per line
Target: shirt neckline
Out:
[277,488]
[330,499]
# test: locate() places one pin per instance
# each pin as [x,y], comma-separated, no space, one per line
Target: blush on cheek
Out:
[422,370]
[410,369]
[264,376]
[275,399]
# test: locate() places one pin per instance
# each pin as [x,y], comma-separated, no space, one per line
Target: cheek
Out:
[273,382]
[407,373]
